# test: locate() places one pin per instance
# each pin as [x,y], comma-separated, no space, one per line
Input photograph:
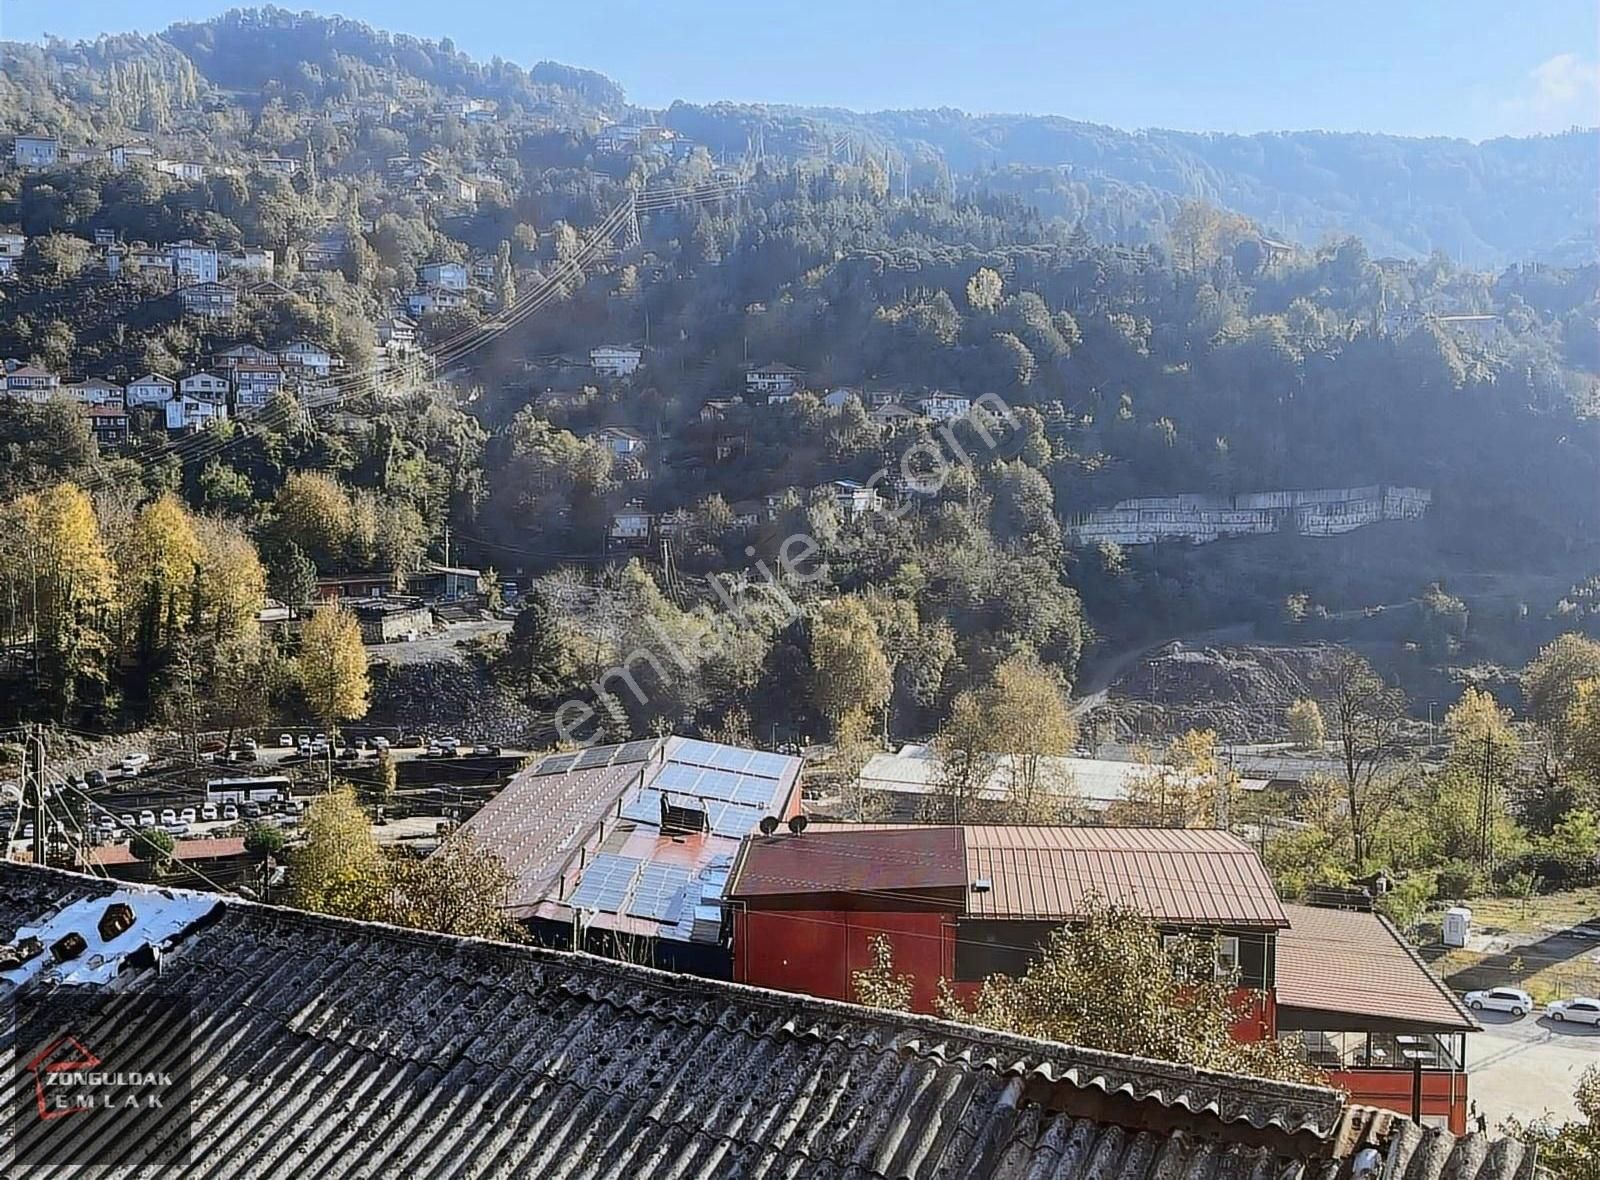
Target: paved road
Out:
[1526,1067]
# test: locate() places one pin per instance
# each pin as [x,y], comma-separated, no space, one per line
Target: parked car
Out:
[208,811]
[27,831]
[188,815]
[252,811]
[147,818]
[380,744]
[107,824]
[168,816]
[127,819]
[249,744]
[286,741]
[230,813]
[134,763]
[175,829]
[95,778]
[450,743]
[1501,999]
[1579,1010]
[486,751]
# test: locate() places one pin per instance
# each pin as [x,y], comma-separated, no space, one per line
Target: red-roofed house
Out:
[962,903]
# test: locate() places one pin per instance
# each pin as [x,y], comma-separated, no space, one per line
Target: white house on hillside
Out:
[770,379]
[193,262]
[308,357]
[452,276]
[205,386]
[186,414]
[31,384]
[151,390]
[945,407]
[616,360]
[36,151]
[620,441]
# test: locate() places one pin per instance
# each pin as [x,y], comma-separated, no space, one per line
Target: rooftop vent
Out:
[117,919]
[982,885]
[683,815]
[20,952]
[69,946]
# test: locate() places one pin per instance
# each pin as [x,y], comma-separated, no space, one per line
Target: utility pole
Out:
[447,544]
[35,764]
[1486,804]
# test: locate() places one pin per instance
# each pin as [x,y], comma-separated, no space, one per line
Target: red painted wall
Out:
[1444,1094]
[817,951]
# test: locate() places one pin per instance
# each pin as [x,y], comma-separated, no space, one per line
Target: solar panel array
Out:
[596,757]
[660,892]
[605,884]
[724,785]
[730,758]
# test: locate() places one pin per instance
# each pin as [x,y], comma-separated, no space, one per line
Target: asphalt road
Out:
[1529,1066]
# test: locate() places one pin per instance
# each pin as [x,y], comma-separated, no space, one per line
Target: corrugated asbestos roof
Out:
[331,1048]
[1347,962]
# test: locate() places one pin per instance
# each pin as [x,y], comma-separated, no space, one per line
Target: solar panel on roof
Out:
[676,777]
[754,792]
[660,892]
[605,883]
[645,808]
[634,752]
[733,820]
[557,764]
[768,765]
[716,784]
[732,758]
[594,758]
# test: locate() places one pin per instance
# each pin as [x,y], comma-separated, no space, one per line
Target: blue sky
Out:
[1472,68]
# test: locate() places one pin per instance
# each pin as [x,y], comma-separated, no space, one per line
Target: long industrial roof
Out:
[331,1048]
[582,831]
[1350,963]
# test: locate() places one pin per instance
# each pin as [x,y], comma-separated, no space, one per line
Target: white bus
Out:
[266,789]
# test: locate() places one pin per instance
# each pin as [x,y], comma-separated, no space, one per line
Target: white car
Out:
[128,819]
[168,816]
[208,811]
[147,819]
[1501,999]
[187,815]
[1579,1010]
[286,741]
[230,812]
[134,763]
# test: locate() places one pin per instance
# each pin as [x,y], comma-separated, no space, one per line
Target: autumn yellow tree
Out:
[333,667]
[460,888]
[233,583]
[57,586]
[849,671]
[314,511]
[159,564]
[340,869]
[1184,785]
[1307,730]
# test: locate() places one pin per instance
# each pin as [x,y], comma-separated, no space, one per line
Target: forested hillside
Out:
[1157,347]
[1489,204]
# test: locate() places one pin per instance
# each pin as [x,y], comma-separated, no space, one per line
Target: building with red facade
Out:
[963,903]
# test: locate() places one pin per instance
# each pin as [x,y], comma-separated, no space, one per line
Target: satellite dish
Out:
[797,824]
[769,824]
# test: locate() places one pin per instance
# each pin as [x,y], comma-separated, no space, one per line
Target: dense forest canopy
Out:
[1489,204]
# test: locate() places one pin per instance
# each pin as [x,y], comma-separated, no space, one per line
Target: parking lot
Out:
[1526,1067]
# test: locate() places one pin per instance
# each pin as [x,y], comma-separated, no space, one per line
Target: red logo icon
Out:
[74,1055]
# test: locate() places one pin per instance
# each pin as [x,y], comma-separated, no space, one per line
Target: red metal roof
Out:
[1179,876]
[1351,963]
[208,848]
[851,860]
